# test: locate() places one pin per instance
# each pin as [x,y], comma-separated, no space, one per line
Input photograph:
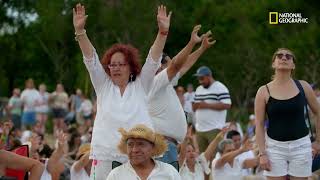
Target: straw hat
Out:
[143,132]
[83,149]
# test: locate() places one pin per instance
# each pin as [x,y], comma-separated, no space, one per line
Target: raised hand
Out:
[79,17]
[247,146]
[62,139]
[163,19]
[207,40]
[194,35]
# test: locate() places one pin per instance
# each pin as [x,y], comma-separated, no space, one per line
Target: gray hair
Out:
[222,144]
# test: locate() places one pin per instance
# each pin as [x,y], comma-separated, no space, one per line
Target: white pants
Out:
[292,158]
[100,169]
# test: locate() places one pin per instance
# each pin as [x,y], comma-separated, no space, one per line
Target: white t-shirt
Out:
[115,111]
[45,174]
[201,167]
[29,98]
[208,119]
[86,107]
[242,157]
[186,174]
[43,100]
[165,109]
[80,175]
[161,171]
[188,99]
[227,172]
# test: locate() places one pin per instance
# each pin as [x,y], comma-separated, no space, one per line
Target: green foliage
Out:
[46,51]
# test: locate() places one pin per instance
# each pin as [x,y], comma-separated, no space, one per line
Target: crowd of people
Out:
[143,125]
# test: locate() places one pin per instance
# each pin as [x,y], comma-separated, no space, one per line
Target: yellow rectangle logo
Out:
[271,15]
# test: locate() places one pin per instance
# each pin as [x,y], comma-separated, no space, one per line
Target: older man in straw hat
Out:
[80,170]
[141,145]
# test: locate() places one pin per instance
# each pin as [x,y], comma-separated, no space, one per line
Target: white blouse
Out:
[115,111]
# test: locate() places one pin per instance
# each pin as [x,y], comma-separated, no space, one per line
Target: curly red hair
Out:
[130,53]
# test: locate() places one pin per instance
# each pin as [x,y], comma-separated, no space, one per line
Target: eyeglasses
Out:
[288,56]
[120,65]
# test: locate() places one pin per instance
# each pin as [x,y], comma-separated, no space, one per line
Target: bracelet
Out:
[164,33]
[80,34]
[262,154]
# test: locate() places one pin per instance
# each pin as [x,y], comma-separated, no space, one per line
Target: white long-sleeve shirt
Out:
[165,109]
[115,111]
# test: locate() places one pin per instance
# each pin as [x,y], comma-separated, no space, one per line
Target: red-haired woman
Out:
[121,87]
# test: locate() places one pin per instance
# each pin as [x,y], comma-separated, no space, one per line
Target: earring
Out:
[131,77]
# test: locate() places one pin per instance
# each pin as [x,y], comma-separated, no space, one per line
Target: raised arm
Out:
[209,152]
[163,25]
[82,162]
[91,60]
[79,21]
[14,161]
[228,157]
[152,63]
[181,57]
[193,57]
[182,152]
[55,165]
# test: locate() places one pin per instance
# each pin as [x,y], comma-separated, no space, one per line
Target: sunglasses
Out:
[288,56]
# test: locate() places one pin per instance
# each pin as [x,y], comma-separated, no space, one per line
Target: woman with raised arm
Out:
[195,166]
[285,149]
[121,87]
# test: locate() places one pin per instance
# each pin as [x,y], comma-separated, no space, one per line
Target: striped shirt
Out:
[209,119]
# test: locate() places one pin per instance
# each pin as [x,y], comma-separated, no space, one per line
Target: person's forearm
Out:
[36,171]
[85,44]
[228,157]
[195,144]
[158,45]
[179,60]
[212,148]
[250,163]
[317,124]
[182,153]
[217,106]
[82,162]
[260,137]
[191,60]
[56,156]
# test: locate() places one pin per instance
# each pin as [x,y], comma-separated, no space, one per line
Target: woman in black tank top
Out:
[283,104]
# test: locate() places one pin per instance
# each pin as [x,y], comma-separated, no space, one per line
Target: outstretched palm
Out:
[62,139]
[163,19]
[79,17]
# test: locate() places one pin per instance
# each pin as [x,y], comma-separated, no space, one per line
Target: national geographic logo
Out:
[286,18]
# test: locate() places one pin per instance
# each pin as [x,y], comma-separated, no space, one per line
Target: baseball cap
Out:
[203,71]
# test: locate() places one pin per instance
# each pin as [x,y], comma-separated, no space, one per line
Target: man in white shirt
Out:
[164,106]
[141,145]
[248,158]
[212,99]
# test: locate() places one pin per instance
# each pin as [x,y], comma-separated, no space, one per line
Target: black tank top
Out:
[286,118]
